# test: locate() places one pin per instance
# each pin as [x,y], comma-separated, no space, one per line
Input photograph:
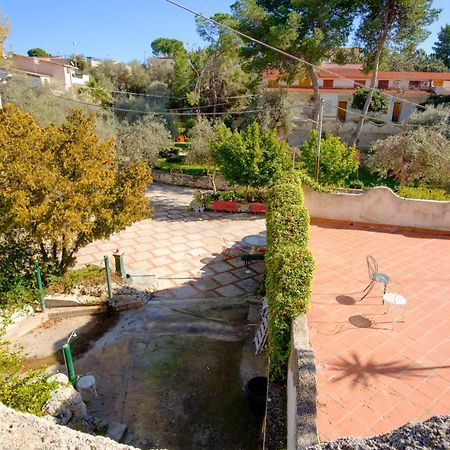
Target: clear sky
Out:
[119,29]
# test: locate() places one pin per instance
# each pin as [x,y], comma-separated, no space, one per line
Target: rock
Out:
[65,404]
[116,431]
[53,301]
[59,378]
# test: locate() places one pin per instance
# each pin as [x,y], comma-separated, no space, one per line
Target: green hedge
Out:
[424,193]
[288,282]
[286,191]
[289,268]
[288,224]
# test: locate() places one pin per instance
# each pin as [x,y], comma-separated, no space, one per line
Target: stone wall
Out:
[370,133]
[379,206]
[194,181]
[301,389]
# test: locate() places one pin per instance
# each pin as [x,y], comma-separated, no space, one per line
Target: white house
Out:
[337,89]
[54,71]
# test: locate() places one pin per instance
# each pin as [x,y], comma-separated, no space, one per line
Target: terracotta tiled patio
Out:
[372,378]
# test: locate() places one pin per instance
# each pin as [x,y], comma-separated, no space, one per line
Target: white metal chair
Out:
[375,276]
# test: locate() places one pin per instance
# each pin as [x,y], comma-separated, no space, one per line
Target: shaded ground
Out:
[173,371]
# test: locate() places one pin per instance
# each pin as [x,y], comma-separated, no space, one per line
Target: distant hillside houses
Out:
[54,70]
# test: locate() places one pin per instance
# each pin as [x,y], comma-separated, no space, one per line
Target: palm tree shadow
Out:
[363,372]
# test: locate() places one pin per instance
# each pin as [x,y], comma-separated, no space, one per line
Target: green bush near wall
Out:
[289,267]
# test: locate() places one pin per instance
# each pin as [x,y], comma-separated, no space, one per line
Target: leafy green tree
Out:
[442,45]
[272,110]
[251,157]
[80,62]
[389,23]
[378,104]
[309,30]
[411,61]
[61,187]
[419,155]
[337,160]
[167,47]
[222,82]
[37,52]
[142,140]
[202,135]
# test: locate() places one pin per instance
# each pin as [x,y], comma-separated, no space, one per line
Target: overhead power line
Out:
[296,58]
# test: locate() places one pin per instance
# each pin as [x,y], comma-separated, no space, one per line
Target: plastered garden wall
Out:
[379,206]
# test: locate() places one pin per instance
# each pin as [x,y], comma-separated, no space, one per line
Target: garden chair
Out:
[375,276]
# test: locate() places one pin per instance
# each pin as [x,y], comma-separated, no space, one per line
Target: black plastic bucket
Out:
[256,389]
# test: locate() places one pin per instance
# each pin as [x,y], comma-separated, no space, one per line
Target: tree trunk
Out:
[373,82]
[315,85]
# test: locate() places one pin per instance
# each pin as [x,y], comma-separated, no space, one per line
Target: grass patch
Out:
[88,275]
[188,169]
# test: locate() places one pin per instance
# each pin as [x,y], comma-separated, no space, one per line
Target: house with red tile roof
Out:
[338,84]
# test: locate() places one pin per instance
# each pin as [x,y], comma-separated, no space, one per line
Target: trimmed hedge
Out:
[288,283]
[289,267]
[287,224]
[286,191]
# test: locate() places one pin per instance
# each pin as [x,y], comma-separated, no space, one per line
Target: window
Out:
[273,83]
[414,84]
[328,83]
[358,83]
[383,84]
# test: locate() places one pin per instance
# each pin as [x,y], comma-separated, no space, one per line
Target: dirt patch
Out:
[44,350]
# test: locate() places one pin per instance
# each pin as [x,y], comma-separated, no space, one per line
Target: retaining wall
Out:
[301,389]
[380,206]
[195,181]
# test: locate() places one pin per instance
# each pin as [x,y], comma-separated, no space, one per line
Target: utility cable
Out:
[296,58]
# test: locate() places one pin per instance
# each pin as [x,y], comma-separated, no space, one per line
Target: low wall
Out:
[379,206]
[195,181]
[301,389]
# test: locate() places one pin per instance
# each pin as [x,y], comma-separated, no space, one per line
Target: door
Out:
[342,111]
[396,111]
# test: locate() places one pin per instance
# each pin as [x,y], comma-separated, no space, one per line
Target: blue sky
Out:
[118,29]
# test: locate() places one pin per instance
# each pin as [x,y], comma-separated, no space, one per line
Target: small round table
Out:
[255,240]
[394,299]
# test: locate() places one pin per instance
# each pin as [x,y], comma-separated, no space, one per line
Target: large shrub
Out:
[378,104]
[419,155]
[251,157]
[337,160]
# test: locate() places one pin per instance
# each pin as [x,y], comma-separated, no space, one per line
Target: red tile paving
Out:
[371,378]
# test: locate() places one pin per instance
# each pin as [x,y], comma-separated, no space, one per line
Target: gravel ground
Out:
[276,432]
[433,434]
